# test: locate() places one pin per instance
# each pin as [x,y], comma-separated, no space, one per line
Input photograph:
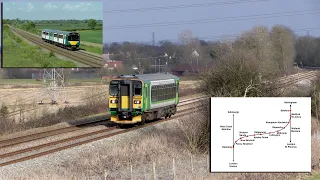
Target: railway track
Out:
[110,130]
[84,58]
[294,78]
[298,77]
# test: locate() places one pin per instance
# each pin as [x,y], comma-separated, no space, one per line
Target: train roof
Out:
[58,31]
[151,77]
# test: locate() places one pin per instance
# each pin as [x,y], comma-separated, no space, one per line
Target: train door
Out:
[125,96]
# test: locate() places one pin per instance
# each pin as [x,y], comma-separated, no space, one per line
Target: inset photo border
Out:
[60,34]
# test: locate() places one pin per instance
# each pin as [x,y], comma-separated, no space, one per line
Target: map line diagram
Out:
[261,130]
[257,134]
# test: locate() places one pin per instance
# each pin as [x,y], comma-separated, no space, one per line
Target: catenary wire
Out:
[184,6]
[223,19]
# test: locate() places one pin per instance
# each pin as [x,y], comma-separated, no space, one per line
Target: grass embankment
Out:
[18,53]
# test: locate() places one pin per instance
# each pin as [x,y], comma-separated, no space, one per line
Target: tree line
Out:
[31,24]
[279,45]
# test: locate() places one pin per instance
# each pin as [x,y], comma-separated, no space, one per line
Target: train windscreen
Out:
[137,88]
[73,37]
[114,88]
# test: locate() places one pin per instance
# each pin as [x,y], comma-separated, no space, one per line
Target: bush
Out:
[4,111]
[51,54]
[236,74]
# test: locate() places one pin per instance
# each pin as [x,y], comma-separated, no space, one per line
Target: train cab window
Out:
[114,88]
[73,37]
[137,88]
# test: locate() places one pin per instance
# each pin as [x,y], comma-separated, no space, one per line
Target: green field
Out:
[62,26]
[91,36]
[18,53]
[18,81]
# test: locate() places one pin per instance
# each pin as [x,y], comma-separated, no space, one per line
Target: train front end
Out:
[73,40]
[125,101]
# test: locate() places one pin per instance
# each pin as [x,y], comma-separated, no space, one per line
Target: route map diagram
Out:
[260,134]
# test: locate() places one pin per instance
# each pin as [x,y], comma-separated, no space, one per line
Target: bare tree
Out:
[259,43]
[232,75]
[283,43]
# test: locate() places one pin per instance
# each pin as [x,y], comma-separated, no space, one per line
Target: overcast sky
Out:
[227,8]
[48,10]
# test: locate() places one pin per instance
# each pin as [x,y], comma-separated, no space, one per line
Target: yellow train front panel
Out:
[125,101]
[137,102]
[113,102]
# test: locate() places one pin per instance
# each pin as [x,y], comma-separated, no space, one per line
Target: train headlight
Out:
[113,101]
[136,102]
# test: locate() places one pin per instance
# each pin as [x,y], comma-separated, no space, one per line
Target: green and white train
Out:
[140,98]
[65,39]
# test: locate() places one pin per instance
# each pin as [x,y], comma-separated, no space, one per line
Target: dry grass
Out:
[315,154]
[96,102]
[187,92]
[134,155]
[315,125]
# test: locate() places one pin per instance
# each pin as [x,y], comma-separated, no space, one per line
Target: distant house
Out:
[113,65]
[106,57]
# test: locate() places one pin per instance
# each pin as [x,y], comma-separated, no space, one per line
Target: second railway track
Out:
[82,57]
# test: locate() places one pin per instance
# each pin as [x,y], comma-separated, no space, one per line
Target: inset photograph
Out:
[52,34]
